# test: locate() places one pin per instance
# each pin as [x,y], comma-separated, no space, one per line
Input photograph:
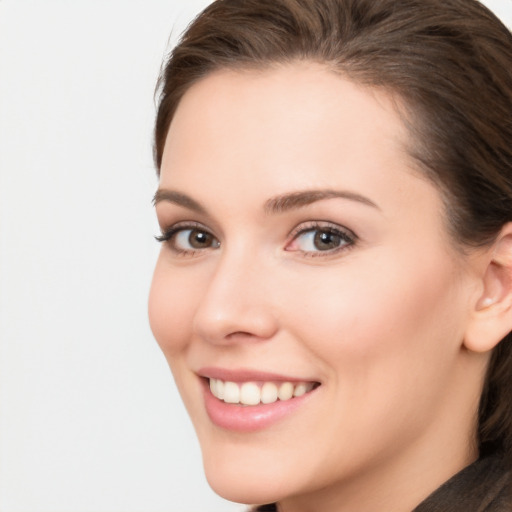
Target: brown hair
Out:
[449,62]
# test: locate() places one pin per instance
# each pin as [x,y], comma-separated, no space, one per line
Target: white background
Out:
[89,417]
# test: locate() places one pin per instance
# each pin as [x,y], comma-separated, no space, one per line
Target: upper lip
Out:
[247,375]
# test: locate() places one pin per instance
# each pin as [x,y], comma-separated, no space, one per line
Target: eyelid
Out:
[350,237]
[168,235]
[168,232]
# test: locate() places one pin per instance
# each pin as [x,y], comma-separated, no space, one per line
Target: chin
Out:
[257,490]
[243,480]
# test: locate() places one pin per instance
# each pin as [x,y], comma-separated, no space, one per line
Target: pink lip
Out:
[240,418]
[246,375]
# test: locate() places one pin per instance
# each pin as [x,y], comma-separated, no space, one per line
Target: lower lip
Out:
[250,418]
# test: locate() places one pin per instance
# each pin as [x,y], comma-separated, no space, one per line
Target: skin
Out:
[380,322]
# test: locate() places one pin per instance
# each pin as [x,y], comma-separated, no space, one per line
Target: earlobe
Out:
[491,319]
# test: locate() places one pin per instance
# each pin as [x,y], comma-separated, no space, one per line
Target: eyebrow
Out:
[274,205]
[297,200]
[179,199]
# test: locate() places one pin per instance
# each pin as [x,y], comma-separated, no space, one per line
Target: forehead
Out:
[298,112]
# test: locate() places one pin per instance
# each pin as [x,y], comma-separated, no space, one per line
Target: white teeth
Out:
[300,389]
[220,389]
[231,393]
[250,393]
[268,393]
[217,388]
[285,391]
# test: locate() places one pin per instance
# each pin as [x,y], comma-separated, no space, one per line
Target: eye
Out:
[194,239]
[189,239]
[321,239]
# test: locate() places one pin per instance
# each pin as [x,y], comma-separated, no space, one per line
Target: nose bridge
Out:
[236,299]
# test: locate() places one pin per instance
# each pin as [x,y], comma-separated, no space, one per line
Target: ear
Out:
[491,318]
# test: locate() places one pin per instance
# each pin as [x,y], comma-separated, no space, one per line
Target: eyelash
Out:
[169,236]
[346,236]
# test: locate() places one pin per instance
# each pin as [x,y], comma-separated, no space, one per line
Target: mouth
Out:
[259,392]
[248,401]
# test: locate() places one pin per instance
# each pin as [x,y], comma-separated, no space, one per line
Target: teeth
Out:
[269,393]
[251,393]
[217,388]
[300,389]
[231,393]
[285,391]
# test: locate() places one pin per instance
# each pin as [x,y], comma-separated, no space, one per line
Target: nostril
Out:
[240,334]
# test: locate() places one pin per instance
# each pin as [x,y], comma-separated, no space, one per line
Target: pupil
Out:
[325,240]
[199,239]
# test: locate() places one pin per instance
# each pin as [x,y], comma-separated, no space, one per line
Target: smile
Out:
[247,400]
[255,393]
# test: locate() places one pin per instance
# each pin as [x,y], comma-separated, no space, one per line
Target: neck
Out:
[396,487]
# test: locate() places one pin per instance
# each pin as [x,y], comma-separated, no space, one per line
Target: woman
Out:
[334,289]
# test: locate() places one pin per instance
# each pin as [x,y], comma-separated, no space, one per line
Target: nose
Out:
[237,303]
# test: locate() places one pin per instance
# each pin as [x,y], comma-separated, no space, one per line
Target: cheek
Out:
[409,312]
[171,305]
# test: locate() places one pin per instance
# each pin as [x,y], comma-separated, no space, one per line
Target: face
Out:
[302,255]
